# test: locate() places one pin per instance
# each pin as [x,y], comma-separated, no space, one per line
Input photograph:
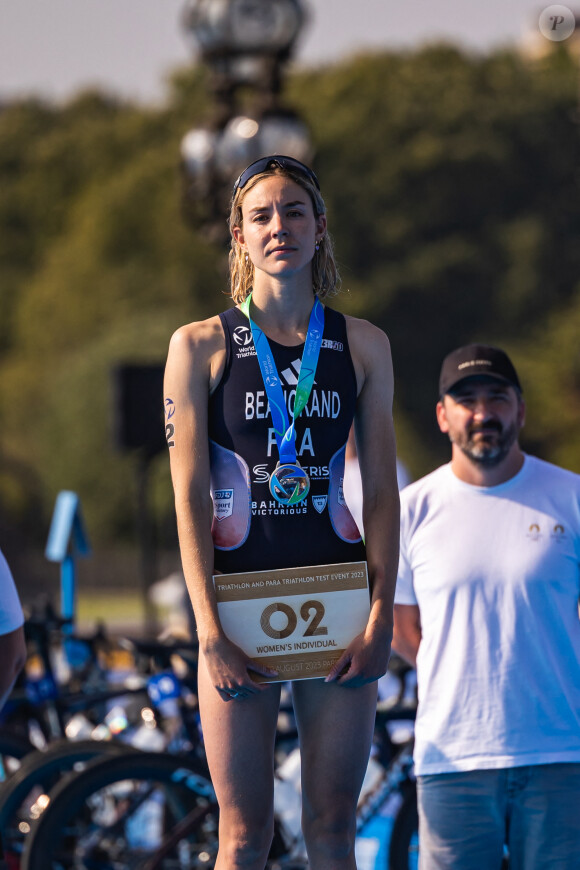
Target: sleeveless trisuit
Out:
[251,531]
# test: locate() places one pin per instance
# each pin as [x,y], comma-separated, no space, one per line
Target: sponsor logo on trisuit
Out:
[223,503]
[319,502]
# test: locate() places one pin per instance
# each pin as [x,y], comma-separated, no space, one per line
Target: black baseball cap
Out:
[476,359]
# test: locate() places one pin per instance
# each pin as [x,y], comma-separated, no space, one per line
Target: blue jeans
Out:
[465,818]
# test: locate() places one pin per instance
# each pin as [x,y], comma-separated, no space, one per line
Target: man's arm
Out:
[407,632]
[12,660]
[368,655]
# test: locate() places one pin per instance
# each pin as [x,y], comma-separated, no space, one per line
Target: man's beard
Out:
[487,452]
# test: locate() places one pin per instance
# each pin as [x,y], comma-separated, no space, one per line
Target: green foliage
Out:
[452,189]
[549,362]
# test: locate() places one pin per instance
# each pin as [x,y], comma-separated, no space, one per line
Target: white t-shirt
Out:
[353,487]
[11,616]
[496,574]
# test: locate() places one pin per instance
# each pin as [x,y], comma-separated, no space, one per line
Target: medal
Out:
[289,483]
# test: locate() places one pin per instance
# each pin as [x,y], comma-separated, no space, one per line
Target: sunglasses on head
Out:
[265,163]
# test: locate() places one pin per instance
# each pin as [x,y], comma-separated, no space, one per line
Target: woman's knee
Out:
[331,832]
[245,845]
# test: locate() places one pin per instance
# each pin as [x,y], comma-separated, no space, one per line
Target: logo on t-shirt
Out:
[534,532]
[558,533]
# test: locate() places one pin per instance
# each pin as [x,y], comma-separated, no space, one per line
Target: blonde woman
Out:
[278,503]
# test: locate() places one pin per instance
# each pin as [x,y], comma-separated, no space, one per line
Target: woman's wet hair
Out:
[325,277]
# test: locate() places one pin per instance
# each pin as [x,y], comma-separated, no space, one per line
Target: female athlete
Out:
[259,402]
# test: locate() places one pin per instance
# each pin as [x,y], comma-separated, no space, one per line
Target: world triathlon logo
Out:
[242,336]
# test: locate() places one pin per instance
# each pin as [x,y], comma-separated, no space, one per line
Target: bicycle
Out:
[96,818]
[116,813]
[13,748]
[91,818]
[397,778]
[24,795]
[43,703]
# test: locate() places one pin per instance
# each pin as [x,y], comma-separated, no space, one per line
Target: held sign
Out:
[297,620]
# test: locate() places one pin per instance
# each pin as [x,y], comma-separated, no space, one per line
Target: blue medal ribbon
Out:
[284,427]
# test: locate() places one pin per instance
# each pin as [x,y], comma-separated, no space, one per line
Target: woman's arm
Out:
[368,655]
[194,366]
[194,351]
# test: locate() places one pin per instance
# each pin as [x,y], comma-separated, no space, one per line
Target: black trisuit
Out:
[251,531]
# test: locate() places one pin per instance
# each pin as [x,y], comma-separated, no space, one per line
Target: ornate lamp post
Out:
[245,44]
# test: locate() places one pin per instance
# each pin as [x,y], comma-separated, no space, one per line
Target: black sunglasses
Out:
[265,163]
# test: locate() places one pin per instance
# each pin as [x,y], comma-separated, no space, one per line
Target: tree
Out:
[452,193]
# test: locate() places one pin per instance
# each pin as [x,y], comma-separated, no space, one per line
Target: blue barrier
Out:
[67,539]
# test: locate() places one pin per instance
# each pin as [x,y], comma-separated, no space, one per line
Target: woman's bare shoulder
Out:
[197,351]
[366,339]
[198,336]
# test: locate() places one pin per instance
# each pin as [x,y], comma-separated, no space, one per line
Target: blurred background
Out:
[446,140]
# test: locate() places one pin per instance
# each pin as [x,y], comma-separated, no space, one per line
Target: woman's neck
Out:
[281,310]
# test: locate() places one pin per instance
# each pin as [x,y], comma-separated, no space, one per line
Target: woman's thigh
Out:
[335,725]
[239,740]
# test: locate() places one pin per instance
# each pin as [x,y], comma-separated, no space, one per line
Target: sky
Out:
[55,48]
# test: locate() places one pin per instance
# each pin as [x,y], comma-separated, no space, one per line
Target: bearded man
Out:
[487,609]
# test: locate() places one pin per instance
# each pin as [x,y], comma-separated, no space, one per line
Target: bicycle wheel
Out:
[404,846]
[13,748]
[24,795]
[119,811]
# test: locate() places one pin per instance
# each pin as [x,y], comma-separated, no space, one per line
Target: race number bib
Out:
[297,620]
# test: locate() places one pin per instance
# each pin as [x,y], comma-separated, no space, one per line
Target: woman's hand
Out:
[364,660]
[229,669]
